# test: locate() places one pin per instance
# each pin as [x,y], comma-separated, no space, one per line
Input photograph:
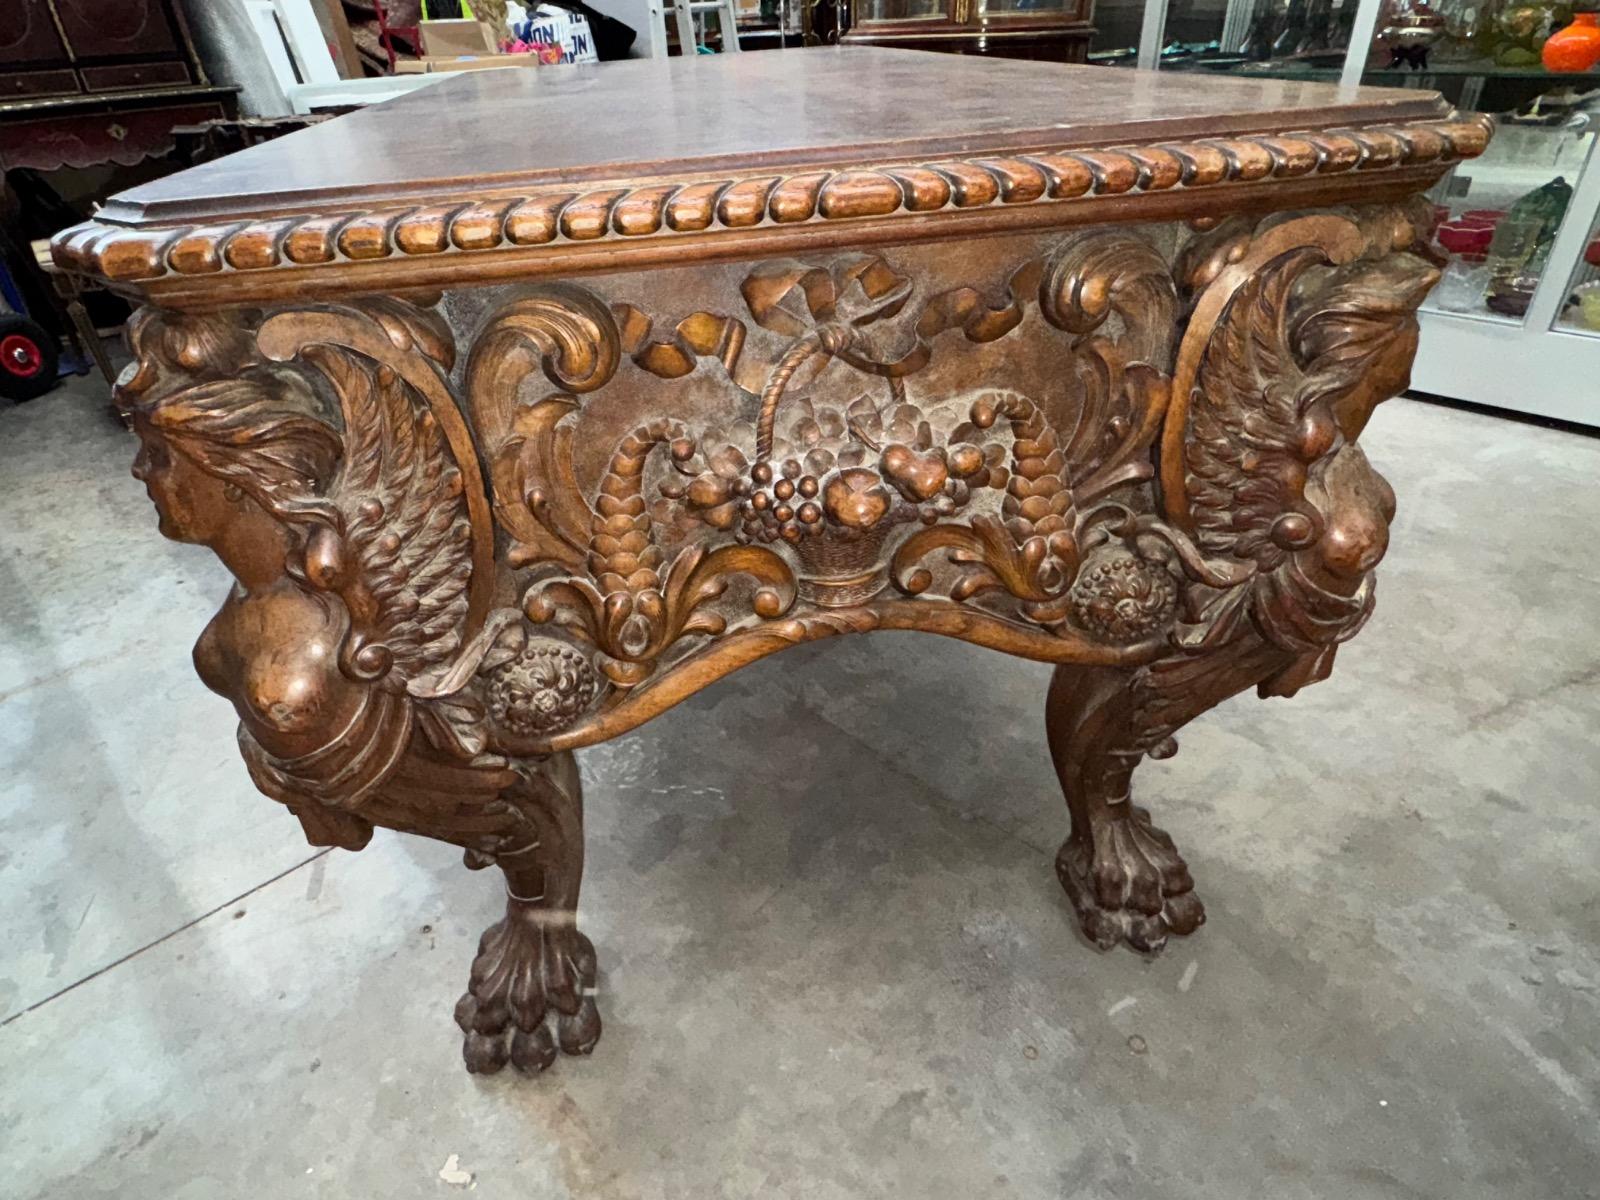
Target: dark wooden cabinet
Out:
[28,35]
[68,47]
[95,28]
[87,81]
[1047,29]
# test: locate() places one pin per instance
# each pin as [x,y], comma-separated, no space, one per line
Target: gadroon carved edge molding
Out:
[633,211]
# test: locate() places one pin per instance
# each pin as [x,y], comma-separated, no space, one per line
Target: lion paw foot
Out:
[531,994]
[1130,884]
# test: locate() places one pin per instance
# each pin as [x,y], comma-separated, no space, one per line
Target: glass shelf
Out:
[1389,76]
[873,12]
[1057,29]
[1518,229]
[1499,216]
[1013,8]
[901,10]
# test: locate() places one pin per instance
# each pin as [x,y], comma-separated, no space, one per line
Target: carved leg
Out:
[531,989]
[1122,873]
[534,970]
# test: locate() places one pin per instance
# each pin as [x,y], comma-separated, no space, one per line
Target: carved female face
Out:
[229,451]
[193,504]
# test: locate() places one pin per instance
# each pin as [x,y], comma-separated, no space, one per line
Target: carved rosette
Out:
[1122,597]
[537,686]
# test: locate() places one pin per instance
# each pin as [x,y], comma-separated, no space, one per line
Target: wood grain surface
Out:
[829,106]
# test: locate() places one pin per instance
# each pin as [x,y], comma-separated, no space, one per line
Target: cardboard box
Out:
[430,66]
[451,39]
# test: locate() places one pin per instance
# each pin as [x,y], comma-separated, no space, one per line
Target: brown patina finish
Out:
[1066,362]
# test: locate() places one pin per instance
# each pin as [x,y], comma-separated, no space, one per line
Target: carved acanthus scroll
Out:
[621,593]
[1051,515]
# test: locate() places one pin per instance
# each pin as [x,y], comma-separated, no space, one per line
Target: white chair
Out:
[293,43]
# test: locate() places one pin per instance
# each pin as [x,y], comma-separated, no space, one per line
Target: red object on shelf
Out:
[1575,48]
[1591,253]
[1459,237]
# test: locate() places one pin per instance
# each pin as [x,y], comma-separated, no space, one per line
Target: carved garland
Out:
[127,255]
[1086,559]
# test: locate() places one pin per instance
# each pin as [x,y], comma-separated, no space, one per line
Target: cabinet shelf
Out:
[1542,361]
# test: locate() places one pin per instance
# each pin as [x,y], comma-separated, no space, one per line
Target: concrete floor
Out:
[835,961]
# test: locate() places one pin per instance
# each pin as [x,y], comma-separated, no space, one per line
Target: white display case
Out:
[1527,340]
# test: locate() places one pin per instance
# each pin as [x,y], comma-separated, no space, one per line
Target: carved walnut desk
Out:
[517,435]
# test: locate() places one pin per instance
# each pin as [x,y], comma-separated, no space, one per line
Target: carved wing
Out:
[1245,453]
[406,539]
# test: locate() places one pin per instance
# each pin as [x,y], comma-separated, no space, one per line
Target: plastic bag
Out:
[550,26]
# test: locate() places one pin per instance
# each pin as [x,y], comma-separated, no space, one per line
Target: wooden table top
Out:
[640,151]
[827,106]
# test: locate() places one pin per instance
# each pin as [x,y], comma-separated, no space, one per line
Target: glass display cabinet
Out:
[1058,30]
[1514,321]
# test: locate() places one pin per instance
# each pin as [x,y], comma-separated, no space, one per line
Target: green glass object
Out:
[1521,245]
[1469,27]
[1523,26]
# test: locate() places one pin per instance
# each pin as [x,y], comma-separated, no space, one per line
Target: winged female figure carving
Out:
[1292,339]
[344,521]
[1309,334]
[323,458]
